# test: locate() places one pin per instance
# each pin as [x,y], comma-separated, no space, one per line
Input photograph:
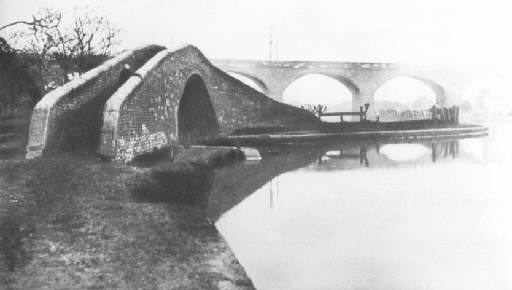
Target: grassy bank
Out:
[13,133]
[75,222]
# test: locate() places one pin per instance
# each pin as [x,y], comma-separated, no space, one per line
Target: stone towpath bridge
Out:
[171,98]
[175,97]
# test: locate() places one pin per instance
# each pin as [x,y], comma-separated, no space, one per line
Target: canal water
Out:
[431,215]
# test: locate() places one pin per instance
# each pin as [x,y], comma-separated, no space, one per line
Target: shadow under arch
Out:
[437,89]
[262,87]
[344,81]
[197,120]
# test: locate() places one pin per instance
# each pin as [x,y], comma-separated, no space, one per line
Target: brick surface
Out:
[122,119]
[70,117]
[151,109]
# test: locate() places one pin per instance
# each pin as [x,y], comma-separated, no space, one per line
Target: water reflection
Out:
[344,154]
[352,156]
[231,185]
[406,152]
[368,215]
[445,150]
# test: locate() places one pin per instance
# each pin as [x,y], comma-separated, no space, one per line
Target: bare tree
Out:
[37,36]
[89,36]
[79,42]
[46,18]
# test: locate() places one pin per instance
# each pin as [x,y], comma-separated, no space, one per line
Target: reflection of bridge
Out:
[232,185]
[362,79]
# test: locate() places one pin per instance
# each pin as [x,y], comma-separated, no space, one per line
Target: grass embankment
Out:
[13,134]
[75,222]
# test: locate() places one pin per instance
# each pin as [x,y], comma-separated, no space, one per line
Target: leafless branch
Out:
[87,35]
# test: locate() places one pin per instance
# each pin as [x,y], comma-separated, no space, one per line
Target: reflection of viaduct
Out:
[369,155]
[362,79]
[232,185]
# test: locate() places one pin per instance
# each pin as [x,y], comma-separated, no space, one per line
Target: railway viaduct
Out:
[362,79]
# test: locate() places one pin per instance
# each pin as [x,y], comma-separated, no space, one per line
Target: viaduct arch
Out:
[259,83]
[345,82]
[441,98]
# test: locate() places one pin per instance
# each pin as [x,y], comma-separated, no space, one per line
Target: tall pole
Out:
[270,45]
[276,54]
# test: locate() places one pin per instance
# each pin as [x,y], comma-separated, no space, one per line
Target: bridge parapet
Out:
[121,118]
[67,117]
[233,63]
[146,112]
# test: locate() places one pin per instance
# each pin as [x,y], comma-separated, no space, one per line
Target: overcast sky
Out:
[434,31]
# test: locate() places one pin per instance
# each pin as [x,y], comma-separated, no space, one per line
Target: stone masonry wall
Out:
[142,114]
[70,116]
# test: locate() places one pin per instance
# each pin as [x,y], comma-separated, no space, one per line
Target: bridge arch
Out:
[251,81]
[437,88]
[196,118]
[319,88]
[412,92]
